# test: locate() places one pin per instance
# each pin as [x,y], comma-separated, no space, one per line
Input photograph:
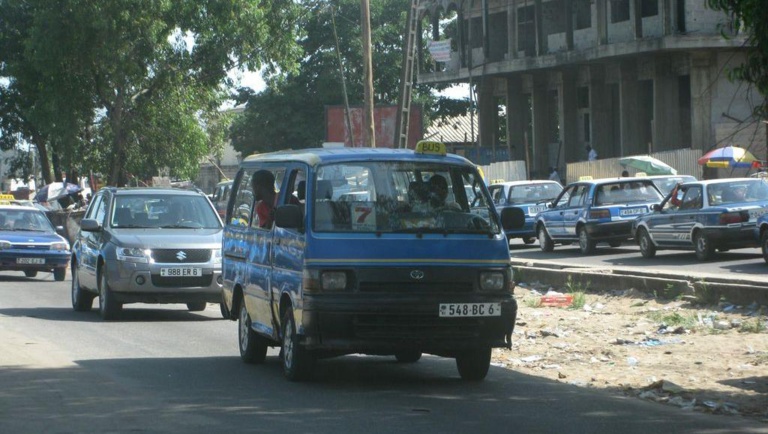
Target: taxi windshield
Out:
[399,196]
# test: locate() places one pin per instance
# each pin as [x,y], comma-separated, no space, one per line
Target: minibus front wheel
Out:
[298,362]
[473,365]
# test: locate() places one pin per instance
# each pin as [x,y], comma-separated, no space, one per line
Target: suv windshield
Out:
[401,197]
[164,211]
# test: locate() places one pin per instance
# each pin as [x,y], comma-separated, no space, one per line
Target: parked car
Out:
[531,197]
[593,211]
[221,197]
[704,216]
[147,245]
[30,243]
[665,183]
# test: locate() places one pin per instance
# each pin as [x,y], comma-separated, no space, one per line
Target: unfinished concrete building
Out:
[626,77]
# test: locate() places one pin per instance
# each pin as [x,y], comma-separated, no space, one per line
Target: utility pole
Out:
[369,138]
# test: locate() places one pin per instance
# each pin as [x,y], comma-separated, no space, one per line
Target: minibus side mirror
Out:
[512,218]
[289,217]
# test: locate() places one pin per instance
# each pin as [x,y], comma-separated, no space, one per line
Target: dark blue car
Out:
[530,196]
[30,243]
[594,211]
[705,216]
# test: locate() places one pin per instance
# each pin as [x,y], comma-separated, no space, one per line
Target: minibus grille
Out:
[385,326]
[410,287]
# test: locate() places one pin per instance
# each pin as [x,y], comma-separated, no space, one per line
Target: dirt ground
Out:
[676,352]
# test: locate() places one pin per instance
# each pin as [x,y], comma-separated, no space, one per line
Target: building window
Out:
[582,14]
[582,97]
[619,11]
[649,8]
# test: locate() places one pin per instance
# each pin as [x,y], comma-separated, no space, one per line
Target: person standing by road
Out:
[591,153]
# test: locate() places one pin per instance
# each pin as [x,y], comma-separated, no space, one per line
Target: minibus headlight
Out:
[5,244]
[491,281]
[333,280]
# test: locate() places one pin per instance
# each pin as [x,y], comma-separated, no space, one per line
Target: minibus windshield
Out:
[399,196]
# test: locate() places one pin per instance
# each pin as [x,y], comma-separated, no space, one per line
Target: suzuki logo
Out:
[417,274]
[180,255]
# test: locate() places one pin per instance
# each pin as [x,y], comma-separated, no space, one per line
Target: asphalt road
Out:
[163,369]
[739,263]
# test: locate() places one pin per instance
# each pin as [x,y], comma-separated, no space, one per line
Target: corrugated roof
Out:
[456,129]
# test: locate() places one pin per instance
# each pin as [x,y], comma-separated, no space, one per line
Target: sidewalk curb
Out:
[707,288]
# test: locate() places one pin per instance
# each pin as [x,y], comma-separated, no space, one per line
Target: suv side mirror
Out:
[90,225]
[289,216]
[656,207]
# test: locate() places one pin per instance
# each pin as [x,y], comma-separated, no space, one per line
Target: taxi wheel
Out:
[196,307]
[528,240]
[545,242]
[473,365]
[764,246]
[253,347]
[30,273]
[408,356]
[297,360]
[586,244]
[109,308]
[647,248]
[703,246]
[82,300]
[59,274]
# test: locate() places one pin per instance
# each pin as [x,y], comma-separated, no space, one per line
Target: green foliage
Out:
[133,85]
[289,113]
[672,319]
[752,17]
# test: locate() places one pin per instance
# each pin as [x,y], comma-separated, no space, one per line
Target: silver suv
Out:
[147,245]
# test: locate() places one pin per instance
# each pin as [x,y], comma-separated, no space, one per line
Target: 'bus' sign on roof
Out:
[430,147]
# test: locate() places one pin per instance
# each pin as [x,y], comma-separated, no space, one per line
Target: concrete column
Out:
[601,12]
[569,25]
[541,46]
[487,113]
[666,107]
[630,140]
[601,109]
[571,148]
[636,18]
[702,136]
[667,15]
[541,126]
[516,115]
[512,29]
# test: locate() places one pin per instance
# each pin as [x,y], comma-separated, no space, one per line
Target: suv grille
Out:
[172,256]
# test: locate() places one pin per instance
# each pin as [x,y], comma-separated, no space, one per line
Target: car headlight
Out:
[62,245]
[491,281]
[216,256]
[5,245]
[333,280]
[133,254]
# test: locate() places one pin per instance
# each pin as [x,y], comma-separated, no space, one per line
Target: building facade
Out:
[625,77]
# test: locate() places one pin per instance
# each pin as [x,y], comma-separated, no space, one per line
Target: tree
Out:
[752,17]
[289,113]
[132,84]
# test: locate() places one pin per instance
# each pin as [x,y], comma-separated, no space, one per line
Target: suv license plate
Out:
[469,309]
[181,272]
[35,261]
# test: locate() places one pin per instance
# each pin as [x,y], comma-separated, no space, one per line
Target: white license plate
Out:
[469,309]
[35,261]
[181,272]
[632,211]
[533,210]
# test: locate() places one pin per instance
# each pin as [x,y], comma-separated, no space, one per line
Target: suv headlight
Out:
[491,281]
[133,254]
[216,256]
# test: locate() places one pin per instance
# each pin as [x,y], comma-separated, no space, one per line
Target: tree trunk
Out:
[45,165]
